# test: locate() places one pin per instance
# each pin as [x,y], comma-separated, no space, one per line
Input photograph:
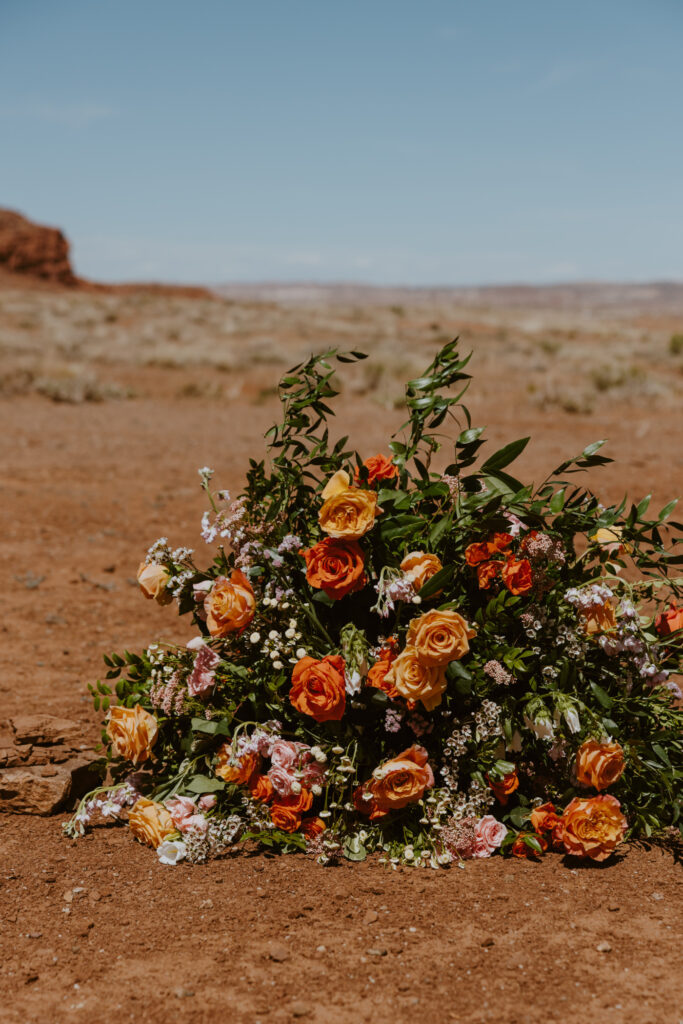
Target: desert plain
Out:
[110,400]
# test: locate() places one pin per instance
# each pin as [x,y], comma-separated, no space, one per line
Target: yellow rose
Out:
[133,732]
[153,579]
[610,539]
[420,566]
[415,680]
[347,512]
[440,637]
[150,822]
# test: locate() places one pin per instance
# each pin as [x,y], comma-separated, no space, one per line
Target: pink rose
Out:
[282,779]
[285,754]
[182,808]
[312,773]
[488,835]
[207,803]
[196,823]
[202,678]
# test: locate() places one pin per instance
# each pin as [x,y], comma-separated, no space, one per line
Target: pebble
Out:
[376,952]
[183,993]
[278,952]
[370,917]
[490,941]
[300,1009]
[603,947]
[613,906]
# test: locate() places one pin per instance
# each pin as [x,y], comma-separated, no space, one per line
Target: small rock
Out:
[657,896]
[321,949]
[490,941]
[34,935]
[613,907]
[370,917]
[183,993]
[300,1009]
[44,730]
[278,952]
[376,952]
[603,947]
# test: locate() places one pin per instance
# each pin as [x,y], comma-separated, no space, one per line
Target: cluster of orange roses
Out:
[286,812]
[589,827]
[514,572]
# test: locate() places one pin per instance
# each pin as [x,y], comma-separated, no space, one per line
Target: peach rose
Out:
[335,567]
[348,512]
[669,621]
[546,821]
[153,579]
[319,688]
[150,822]
[600,618]
[599,764]
[502,788]
[239,770]
[594,827]
[377,676]
[396,783]
[414,680]
[312,827]
[261,788]
[420,566]
[230,604]
[516,575]
[379,467]
[486,573]
[440,637]
[133,732]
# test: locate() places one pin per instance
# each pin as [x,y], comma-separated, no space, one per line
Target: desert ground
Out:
[109,402]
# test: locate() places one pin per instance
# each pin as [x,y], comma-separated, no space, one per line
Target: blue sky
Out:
[421,142]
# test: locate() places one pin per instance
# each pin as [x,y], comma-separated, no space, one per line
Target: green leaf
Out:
[533,842]
[437,582]
[504,456]
[602,696]
[212,726]
[353,849]
[204,784]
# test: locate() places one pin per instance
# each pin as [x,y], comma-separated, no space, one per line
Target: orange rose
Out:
[150,822]
[261,788]
[348,512]
[312,827]
[319,688]
[502,788]
[600,618]
[669,621]
[133,732]
[414,680]
[599,764]
[230,604]
[477,553]
[546,821]
[486,573]
[396,783]
[336,567]
[299,802]
[240,770]
[153,579]
[420,567]
[520,849]
[285,818]
[440,637]
[377,676]
[594,827]
[516,575]
[379,467]
[499,542]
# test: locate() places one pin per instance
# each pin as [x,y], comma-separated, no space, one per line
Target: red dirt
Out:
[85,489]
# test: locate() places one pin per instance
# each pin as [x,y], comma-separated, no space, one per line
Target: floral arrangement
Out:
[427,665]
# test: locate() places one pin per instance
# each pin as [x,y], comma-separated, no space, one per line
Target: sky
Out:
[415,142]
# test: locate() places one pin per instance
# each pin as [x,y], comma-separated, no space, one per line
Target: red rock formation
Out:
[33,250]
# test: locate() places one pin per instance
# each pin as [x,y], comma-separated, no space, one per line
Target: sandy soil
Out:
[96,930]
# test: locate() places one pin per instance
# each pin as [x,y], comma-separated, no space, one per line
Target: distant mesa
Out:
[34,251]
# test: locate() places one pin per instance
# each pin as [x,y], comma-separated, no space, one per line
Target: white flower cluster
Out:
[280,645]
[585,598]
[159,552]
[487,720]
